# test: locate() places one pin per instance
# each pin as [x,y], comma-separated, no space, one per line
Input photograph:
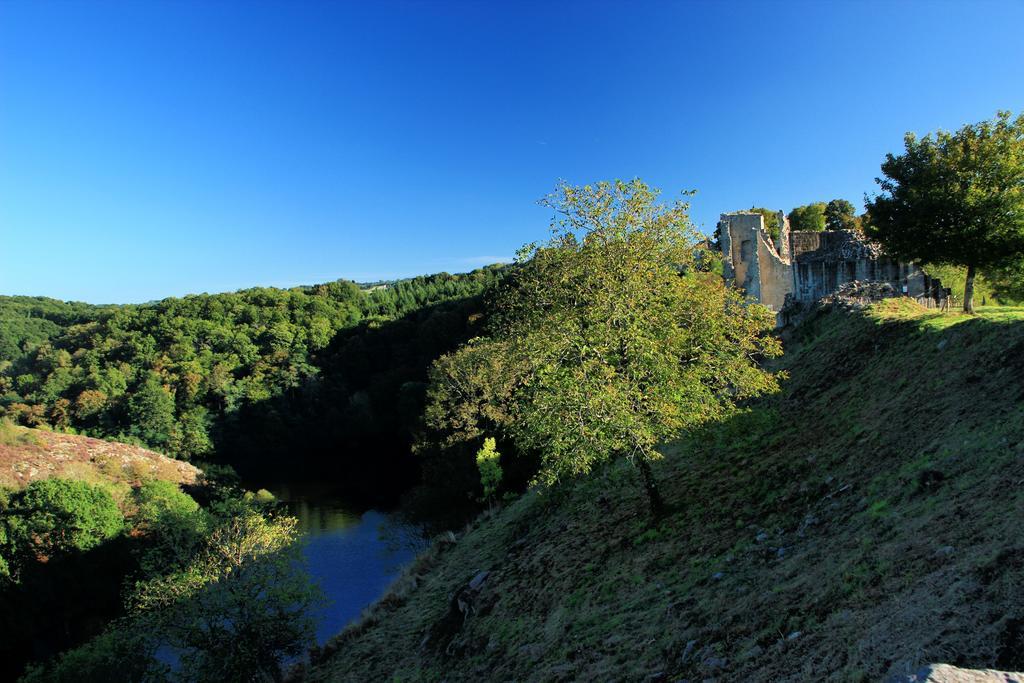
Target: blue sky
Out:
[151,149]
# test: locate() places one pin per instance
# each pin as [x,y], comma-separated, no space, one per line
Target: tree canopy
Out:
[840,215]
[808,217]
[955,198]
[54,517]
[771,221]
[1007,280]
[233,373]
[606,341]
[220,593]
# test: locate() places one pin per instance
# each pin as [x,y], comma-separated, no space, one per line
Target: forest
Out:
[325,380]
[328,373]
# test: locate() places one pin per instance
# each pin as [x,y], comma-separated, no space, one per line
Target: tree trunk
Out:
[969,291]
[651,488]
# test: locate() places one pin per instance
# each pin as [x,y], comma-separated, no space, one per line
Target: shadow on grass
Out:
[61,603]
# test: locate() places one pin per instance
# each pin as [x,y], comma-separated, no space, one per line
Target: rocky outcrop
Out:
[944,673]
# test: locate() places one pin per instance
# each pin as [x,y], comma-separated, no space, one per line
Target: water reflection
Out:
[354,555]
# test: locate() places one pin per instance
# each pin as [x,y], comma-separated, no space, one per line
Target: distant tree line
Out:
[202,374]
[837,214]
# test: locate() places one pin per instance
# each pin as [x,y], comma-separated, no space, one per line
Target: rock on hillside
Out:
[32,454]
[944,673]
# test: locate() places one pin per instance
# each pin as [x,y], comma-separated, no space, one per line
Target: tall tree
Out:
[607,341]
[840,215]
[808,217]
[151,411]
[955,198]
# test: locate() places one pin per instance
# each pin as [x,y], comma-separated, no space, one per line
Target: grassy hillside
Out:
[28,455]
[864,521]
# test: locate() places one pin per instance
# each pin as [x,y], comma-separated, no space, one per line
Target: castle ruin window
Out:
[745,248]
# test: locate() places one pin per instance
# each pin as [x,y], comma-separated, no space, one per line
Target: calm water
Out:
[353,555]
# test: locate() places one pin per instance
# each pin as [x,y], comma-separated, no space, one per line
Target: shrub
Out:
[118,654]
[58,516]
[487,461]
[173,523]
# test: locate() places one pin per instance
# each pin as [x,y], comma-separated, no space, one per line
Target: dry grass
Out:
[13,435]
[30,454]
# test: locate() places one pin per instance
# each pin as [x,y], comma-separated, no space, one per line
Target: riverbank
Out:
[353,553]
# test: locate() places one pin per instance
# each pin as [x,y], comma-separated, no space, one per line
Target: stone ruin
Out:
[799,268]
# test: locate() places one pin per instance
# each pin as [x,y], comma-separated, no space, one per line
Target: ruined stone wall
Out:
[782,245]
[751,259]
[805,265]
[776,277]
[825,261]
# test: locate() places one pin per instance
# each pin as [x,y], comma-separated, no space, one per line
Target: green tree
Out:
[52,517]
[771,221]
[243,603]
[808,217]
[955,198]
[189,437]
[609,339]
[840,215]
[5,546]
[229,607]
[172,524]
[1007,281]
[121,653]
[488,463]
[151,411]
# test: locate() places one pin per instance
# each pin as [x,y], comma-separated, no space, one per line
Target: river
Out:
[353,554]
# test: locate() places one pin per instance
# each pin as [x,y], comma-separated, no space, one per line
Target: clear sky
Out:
[151,149]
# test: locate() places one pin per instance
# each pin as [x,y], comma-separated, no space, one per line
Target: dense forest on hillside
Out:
[328,377]
[219,375]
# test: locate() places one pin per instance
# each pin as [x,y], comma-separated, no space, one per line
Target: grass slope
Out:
[27,455]
[864,521]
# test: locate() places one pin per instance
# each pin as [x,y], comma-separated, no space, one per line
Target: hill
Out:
[857,525]
[328,373]
[28,455]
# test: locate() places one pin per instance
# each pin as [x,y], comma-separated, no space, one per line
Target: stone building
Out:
[804,266]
